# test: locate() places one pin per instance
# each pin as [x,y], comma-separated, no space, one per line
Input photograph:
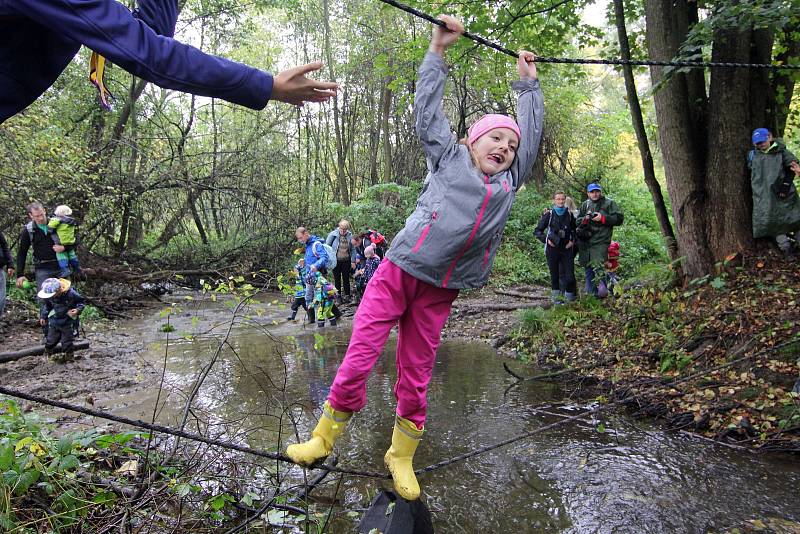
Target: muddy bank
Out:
[719,357]
[492,314]
[112,366]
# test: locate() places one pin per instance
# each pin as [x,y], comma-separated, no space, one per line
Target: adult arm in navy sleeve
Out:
[110,29]
[544,223]
[47,33]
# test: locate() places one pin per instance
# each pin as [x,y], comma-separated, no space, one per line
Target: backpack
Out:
[331,263]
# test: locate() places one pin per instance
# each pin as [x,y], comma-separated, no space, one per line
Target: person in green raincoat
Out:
[776,204]
[597,218]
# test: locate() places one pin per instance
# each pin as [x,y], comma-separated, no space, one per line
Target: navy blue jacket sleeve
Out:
[110,29]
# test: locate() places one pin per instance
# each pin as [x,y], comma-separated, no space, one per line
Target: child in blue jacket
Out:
[40,38]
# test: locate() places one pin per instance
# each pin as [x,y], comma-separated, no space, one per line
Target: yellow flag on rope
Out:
[97,68]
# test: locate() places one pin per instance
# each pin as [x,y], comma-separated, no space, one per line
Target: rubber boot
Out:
[570,297]
[333,321]
[400,455]
[328,429]
[555,297]
[602,289]
[320,324]
[292,316]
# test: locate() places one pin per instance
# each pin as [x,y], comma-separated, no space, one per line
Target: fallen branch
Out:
[129,276]
[519,294]
[14,355]
[473,309]
[555,374]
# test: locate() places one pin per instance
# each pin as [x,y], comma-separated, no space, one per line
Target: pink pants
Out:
[421,309]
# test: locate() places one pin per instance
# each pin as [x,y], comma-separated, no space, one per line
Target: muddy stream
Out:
[633,477]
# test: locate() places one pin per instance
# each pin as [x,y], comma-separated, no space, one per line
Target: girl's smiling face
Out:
[494,151]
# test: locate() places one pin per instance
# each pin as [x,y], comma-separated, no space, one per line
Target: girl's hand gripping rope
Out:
[526,65]
[442,38]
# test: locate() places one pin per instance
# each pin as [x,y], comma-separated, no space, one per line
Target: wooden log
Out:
[472,309]
[14,355]
[538,296]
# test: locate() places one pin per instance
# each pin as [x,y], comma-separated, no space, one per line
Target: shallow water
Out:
[634,477]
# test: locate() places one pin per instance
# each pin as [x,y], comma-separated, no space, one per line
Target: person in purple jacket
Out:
[448,243]
[41,37]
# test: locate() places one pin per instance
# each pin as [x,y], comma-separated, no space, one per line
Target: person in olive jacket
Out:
[597,218]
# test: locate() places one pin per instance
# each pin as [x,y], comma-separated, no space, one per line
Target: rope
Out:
[138,423]
[586,61]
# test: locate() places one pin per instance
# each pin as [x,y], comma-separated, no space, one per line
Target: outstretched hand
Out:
[292,86]
[526,65]
[443,38]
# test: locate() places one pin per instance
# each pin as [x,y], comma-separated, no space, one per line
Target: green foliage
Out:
[33,461]
[552,324]
[383,207]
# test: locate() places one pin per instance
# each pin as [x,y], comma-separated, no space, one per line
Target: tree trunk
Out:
[730,116]
[704,141]
[387,138]
[676,102]
[641,136]
[375,136]
[783,81]
[341,179]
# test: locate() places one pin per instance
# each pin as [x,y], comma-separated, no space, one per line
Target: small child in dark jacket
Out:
[370,264]
[61,305]
[299,288]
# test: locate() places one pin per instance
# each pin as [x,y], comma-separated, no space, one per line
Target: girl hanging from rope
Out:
[447,244]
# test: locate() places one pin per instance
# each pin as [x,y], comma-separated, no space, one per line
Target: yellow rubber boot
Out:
[400,456]
[329,428]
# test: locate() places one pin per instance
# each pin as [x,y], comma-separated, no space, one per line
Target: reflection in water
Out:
[632,478]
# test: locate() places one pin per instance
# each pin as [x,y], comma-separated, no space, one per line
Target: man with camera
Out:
[597,218]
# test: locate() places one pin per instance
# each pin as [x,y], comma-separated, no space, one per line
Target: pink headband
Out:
[490,122]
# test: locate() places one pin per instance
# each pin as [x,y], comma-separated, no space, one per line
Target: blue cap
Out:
[760,135]
[593,187]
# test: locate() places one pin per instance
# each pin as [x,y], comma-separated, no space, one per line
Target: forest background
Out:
[171,181]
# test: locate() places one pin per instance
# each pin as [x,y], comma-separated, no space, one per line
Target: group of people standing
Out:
[340,254]
[568,231]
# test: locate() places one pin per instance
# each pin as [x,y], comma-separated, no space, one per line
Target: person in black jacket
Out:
[36,235]
[6,265]
[556,229]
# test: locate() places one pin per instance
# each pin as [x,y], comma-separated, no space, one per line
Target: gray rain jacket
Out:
[451,238]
